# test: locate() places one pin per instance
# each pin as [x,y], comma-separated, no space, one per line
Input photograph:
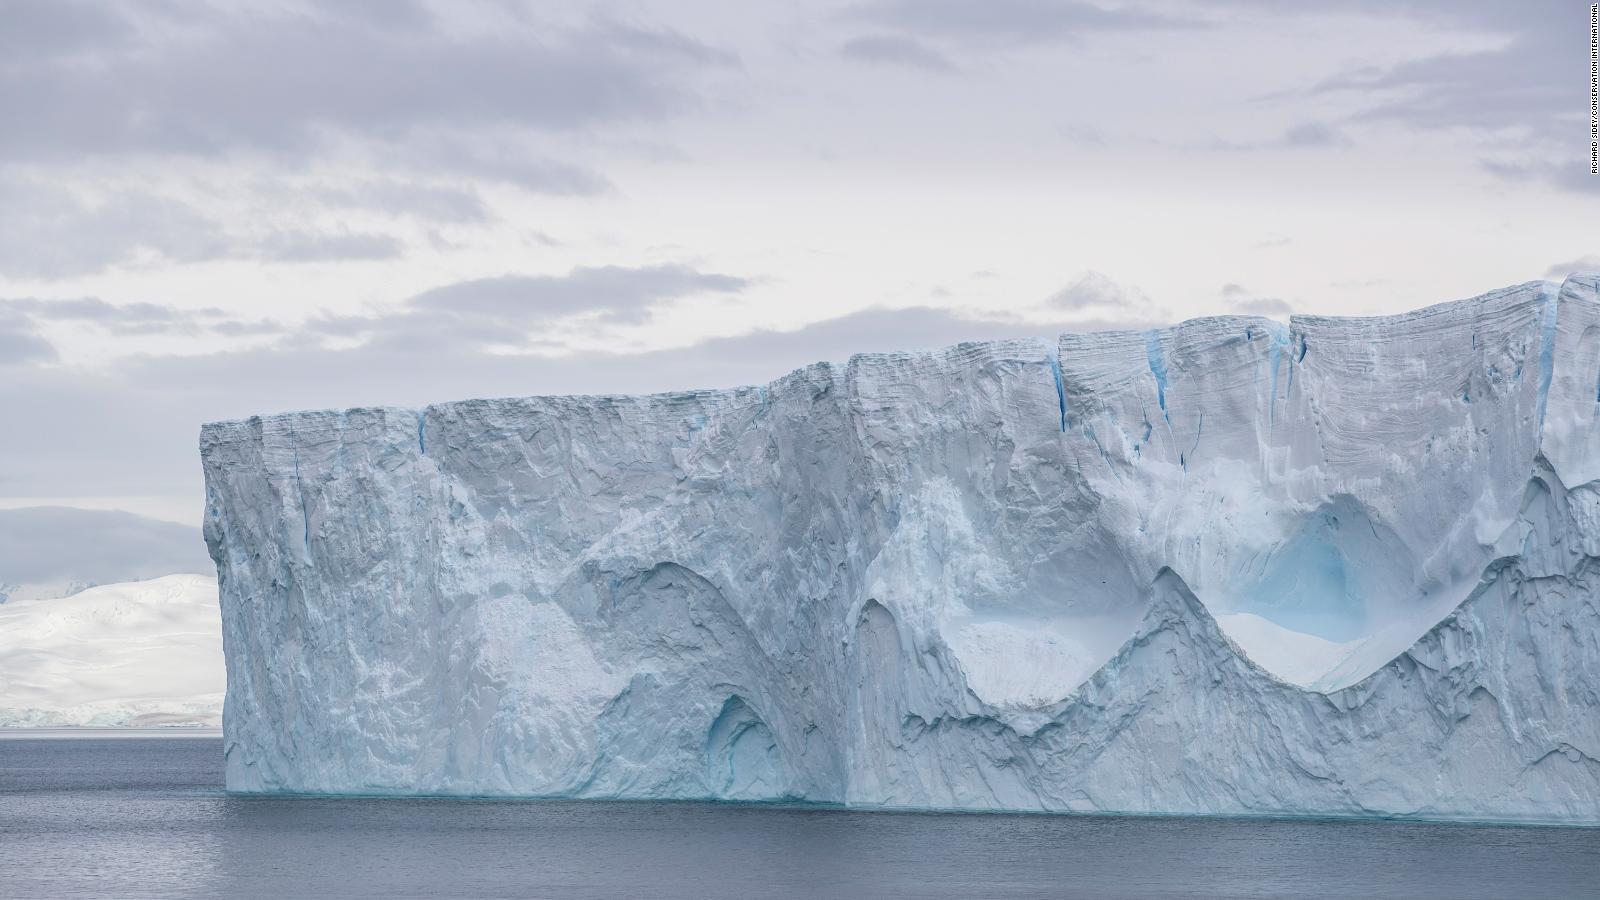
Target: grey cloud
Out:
[56,544]
[1014,21]
[1304,136]
[501,158]
[129,318]
[1518,99]
[1247,302]
[284,81]
[1314,134]
[898,51]
[1525,85]
[49,232]
[338,325]
[312,246]
[1573,174]
[433,203]
[242,328]
[1520,86]
[1094,292]
[1508,170]
[615,291]
[91,309]
[1478,13]
[1569,173]
[664,43]
[1271,307]
[19,345]
[384,14]
[1083,135]
[79,433]
[504,310]
[36,28]
[1092,289]
[1589,263]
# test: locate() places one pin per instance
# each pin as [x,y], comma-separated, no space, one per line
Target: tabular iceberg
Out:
[1339,566]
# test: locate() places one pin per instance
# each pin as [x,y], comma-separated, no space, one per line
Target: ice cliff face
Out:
[1343,566]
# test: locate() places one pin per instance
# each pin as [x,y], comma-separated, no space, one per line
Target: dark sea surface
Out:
[145,817]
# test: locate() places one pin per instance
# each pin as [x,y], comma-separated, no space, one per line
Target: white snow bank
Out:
[139,653]
[1294,656]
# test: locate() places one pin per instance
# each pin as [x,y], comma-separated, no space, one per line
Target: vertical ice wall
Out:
[1001,575]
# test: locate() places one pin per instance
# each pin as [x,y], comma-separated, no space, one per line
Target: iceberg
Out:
[1338,566]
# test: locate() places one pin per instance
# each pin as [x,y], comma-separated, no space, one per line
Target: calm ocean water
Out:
[147,817]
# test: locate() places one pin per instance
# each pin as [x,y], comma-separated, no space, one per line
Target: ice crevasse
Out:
[1343,566]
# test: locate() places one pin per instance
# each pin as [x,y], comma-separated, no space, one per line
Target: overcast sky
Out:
[211,211]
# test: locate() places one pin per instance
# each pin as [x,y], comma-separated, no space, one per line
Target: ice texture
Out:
[1334,567]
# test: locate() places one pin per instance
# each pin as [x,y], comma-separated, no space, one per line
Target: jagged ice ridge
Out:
[1339,566]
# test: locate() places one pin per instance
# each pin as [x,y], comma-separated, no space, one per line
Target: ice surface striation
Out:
[1335,566]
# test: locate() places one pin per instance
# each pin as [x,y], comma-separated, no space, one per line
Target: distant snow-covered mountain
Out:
[138,653]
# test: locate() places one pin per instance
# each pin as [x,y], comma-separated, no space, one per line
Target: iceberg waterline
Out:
[1341,566]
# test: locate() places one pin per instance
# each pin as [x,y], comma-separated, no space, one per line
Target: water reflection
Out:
[115,818]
